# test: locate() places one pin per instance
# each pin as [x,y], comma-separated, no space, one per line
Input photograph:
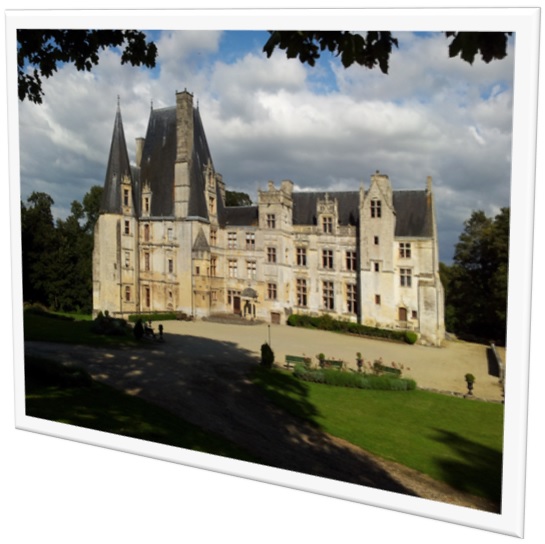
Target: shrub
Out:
[109,326]
[411,337]
[352,379]
[267,356]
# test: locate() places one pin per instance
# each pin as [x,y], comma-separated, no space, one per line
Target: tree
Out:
[39,52]
[476,290]
[236,198]
[374,48]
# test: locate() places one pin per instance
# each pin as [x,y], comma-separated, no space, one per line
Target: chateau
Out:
[166,241]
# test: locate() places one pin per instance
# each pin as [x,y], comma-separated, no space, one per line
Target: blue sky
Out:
[323,127]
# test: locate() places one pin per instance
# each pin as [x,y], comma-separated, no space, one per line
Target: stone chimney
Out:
[184,126]
[139,149]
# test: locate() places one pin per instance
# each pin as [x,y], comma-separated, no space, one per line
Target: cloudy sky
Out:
[323,127]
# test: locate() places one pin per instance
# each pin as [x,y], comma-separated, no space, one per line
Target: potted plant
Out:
[359,361]
[470,380]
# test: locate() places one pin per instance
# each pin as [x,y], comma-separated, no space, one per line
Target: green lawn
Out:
[70,396]
[49,327]
[451,439]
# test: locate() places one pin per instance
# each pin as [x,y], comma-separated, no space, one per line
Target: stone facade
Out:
[165,241]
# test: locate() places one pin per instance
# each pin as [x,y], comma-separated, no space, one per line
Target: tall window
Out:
[376,240]
[125,197]
[377,299]
[351,260]
[213,266]
[213,237]
[170,266]
[405,277]
[327,259]
[271,221]
[250,241]
[405,250]
[147,265]
[146,233]
[351,298]
[231,240]
[146,204]
[327,224]
[233,268]
[271,254]
[328,297]
[170,234]
[251,268]
[271,291]
[376,208]
[127,227]
[377,267]
[127,259]
[147,296]
[301,254]
[127,293]
[301,288]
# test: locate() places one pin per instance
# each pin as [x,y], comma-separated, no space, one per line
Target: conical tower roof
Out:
[118,167]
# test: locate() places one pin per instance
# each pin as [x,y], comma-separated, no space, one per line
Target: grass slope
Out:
[453,440]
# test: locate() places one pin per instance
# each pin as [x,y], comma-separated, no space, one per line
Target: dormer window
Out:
[327,224]
[146,204]
[376,208]
[125,197]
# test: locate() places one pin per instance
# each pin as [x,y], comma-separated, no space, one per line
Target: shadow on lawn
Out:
[207,383]
[480,471]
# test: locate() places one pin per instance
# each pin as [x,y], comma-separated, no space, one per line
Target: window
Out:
[271,254]
[146,233]
[377,267]
[327,295]
[271,291]
[233,268]
[414,314]
[211,202]
[327,224]
[127,227]
[301,288]
[301,254]
[127,259]
[351,298]
[147,296]
[377,299]
[146,204]
[231,295]
[147,261]
[214,296]
[197,271]
[170,266]
[327,258]
[127,293]
[213,266]
[231,240]
[125,197]
[170,234]
[351,260]
[376,240]
[376,210]
[250,241]
[405,250]
[405,277]
[213,237]
[271,221]
[251,269]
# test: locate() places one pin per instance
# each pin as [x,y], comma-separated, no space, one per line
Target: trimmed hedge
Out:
[167,316]
[327,323]
[352,379]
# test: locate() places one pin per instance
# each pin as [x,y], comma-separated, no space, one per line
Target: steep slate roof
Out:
[201,244]
[304,206]
[158,158]
[118,166]
[239,216]
[413,213]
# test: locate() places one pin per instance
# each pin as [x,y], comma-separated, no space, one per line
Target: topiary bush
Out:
[267,356]
[411,337]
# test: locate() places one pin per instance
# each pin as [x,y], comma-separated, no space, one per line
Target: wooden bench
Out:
[333,363]
[292,360]
[389,369]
